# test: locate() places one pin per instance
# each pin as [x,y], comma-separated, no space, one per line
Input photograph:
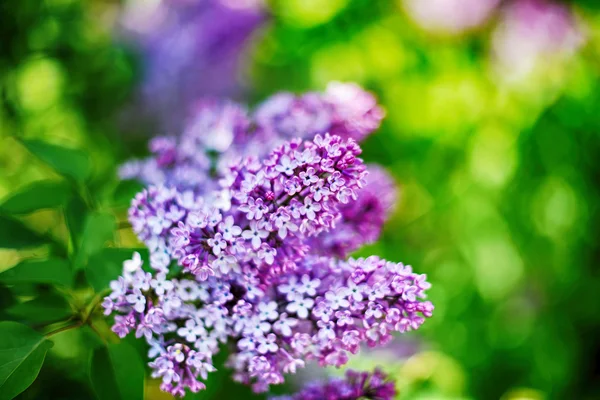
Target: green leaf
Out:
[98,230]
[68,162]
[37,196]
[22,352]
[126,191]
[15,235]
[107,265]
[75,213]
[54,271]
[49,307]
[117,372]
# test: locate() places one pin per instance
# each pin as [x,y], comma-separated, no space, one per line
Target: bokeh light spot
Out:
[39,84]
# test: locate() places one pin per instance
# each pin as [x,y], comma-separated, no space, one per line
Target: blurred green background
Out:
[498,171]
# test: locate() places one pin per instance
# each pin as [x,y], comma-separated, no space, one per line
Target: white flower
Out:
[134,264]
[374,310]
[267,344]
[290,289]
[337,299]
[377,292]
[355,291]
[118,287]
[141,280]
[268,311]
[214,217]
[267,254]
[191,330]
[284,325]
[197,219]
[156,348]
[257,327]
[320,192]
[294,208]
[222,200]
[253,292]
[306,157]
[161,285]
[217,243]
[285,227]
[174,214]
[137,300]
[308,286]
[157,223]
[228,229]
[255,234]
[204,368]
[168,373]
[308,177]
[327,331]
[160,260]
[247,343]
[300,306]
[286,165]
[171,302]
[189,290]
[292,365]
[309,208]
[226,263]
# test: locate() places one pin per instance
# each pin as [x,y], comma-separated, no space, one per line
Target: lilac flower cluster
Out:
[293,194]
[221,132]
[344,109]
[354,386]
[248,248]
[324,311]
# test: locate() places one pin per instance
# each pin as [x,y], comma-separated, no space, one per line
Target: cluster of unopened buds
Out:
[248,248]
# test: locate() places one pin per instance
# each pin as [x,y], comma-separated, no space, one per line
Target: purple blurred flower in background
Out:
[450,16]
[189,49]
[354,386]
[532,31]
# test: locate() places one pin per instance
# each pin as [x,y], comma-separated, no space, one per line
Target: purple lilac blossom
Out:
[219,133]
[354,385]
[292,195]
[187,161]
[360,221]
[260,240]
[322,311]
[344,109]
[189,49]
[529,32]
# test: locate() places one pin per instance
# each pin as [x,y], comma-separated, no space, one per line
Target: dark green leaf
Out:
[75,213]
[37,196]
[97,231]
[49,307]
[15,235]
[126,191]
[68,162]
[53,271]
[107,265]
[117,372]
[7,299]
[22,352]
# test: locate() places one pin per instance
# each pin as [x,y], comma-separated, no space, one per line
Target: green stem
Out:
[64,328]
